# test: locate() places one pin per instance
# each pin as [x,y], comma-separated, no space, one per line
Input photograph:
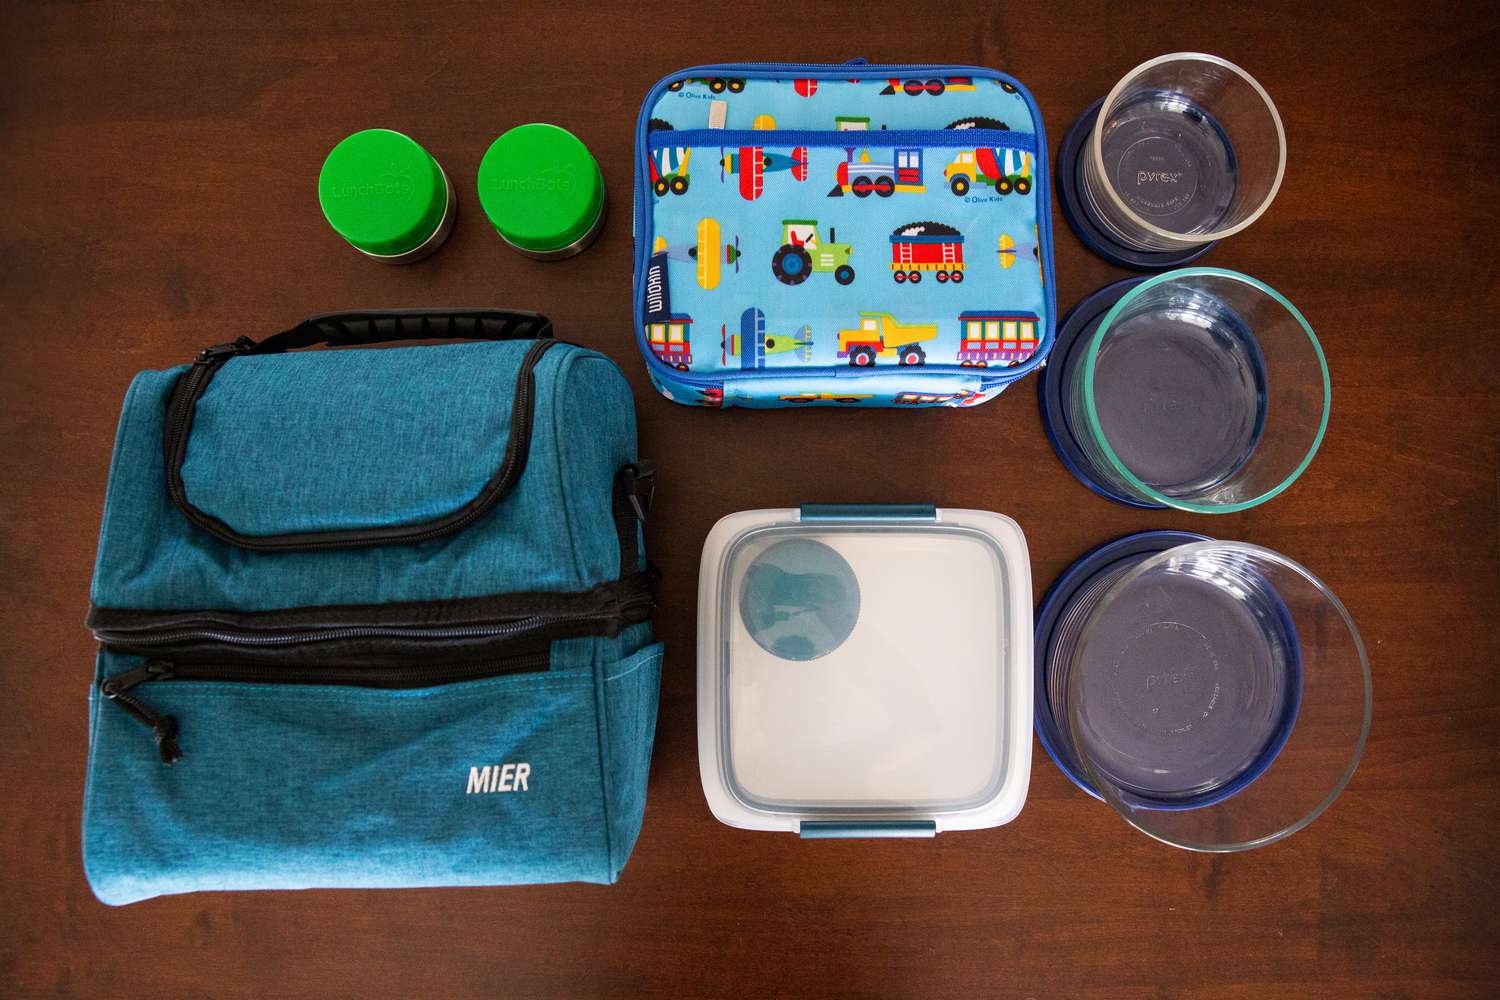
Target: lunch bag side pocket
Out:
[631,690]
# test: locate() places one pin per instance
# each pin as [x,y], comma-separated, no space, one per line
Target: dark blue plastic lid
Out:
[1118,554]
[1240,707]
[1070,199]
[1067,352]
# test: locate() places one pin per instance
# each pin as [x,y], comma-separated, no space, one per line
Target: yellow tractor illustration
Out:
[880,336]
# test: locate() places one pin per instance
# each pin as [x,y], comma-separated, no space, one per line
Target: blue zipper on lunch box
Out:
[856,69]
[925,137]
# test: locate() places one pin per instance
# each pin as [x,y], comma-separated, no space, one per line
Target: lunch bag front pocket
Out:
[294,785]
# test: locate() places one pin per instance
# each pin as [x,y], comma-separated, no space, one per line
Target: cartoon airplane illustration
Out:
[1011,251]
[709,252]
[752,344]
[1007,251]
[752,163]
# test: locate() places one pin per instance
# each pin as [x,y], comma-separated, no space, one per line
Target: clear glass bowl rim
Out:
[1111,794]
[1096,151]
[1096,429]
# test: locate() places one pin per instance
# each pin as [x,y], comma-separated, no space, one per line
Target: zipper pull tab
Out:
[240,345]
[857,61]
[163,727]
[641,490]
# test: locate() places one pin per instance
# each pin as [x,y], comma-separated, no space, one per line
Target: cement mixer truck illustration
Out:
[1000,167]
[669,164]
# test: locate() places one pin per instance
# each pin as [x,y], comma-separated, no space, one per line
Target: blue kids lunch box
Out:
[841,235]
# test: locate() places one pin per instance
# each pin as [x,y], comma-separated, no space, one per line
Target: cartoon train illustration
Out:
[962,397]
[899,169]
[828,397]
[851,123]
[752,345]
[805,88]
[879,335]
[669,339]
[920,247]
[716,84]
[802,253]
[669,164]
[708,252]
[1005,338]
[752,163]
[915,87]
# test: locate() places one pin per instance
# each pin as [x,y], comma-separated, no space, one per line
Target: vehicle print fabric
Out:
[886,229]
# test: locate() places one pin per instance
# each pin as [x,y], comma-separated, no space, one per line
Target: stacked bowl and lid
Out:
[1185,150]
[1201,389]
[1216,694]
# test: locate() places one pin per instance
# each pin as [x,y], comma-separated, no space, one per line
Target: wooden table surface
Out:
[157,169]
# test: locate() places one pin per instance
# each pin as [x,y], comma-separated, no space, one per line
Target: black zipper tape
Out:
[382,655]
[635,490]
[193,382]
[122,688]
[590,612]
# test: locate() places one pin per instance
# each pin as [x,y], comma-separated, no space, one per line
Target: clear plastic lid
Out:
[865,670]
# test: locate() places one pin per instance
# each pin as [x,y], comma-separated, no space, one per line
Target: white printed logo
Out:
[498,778]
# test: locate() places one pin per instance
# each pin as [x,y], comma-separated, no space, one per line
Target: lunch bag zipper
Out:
[639,602]
[627,601]
[120,689]
[927,137]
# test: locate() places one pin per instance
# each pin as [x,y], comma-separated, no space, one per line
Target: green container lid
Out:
[383,193]
[542,190]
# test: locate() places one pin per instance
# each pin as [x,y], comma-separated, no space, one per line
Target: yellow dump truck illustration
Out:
[880,336]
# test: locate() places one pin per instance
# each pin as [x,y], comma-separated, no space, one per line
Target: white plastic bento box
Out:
[865,670]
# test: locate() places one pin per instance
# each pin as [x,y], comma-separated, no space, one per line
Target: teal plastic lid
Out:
[542,190]
[383,193]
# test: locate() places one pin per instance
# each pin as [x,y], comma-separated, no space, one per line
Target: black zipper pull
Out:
[641,488]
[163,727]
[240,345]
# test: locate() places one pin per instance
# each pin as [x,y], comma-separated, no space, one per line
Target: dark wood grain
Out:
[157,167]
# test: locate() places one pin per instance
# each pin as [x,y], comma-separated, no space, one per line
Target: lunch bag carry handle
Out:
[354,329]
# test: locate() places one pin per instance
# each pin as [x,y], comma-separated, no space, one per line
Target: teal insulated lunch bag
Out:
[841,235]
[372,618]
